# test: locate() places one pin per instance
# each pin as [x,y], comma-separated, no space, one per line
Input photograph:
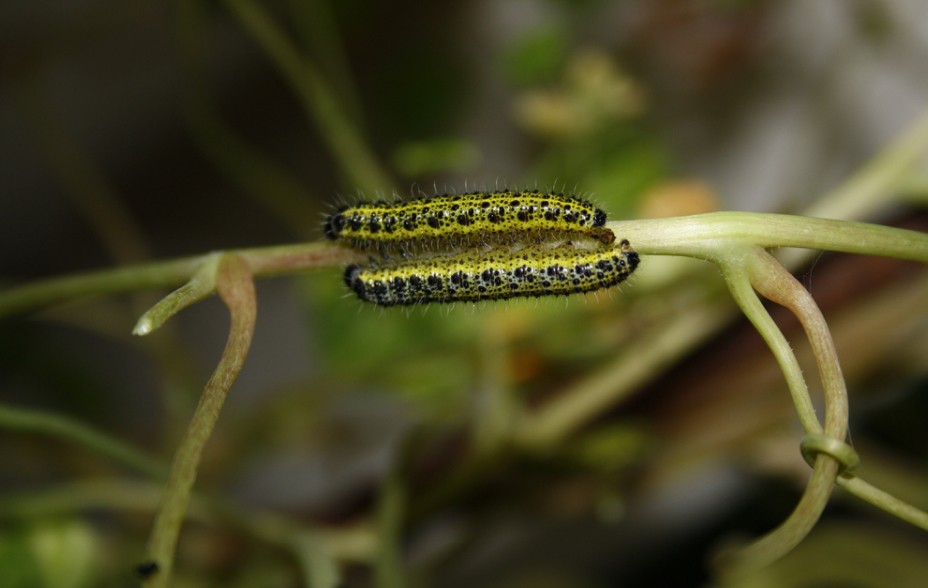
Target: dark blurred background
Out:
[134,131]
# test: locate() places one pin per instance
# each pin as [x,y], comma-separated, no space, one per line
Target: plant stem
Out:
[554,421]
[776,284]
[706,235]
[391,512]
[742,291]
[771,279]
[265,261]
[266,182]
[890,172]
[55,425]
[111,281]
[885,501]
[236,288]
[316,550]
[321,105]
[92,193]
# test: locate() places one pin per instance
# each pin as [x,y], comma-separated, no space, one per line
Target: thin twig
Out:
[235,287]
[71,430]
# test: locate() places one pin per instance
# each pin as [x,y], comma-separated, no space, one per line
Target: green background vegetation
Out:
[148,130]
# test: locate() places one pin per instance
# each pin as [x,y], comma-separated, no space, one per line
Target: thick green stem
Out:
[700,235]
[708,236]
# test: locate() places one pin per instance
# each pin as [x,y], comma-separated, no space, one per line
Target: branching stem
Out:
[234,283]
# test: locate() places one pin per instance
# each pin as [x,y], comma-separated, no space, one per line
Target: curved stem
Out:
[68,429]
[743,292]
[776,284]
[777,543]
[200,285]
[771,279]
[236,288]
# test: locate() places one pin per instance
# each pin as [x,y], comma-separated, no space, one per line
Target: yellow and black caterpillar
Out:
[457,220]
[480,246]
[472,276]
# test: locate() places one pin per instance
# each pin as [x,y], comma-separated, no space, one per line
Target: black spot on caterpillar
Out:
[459,220]
[472,275]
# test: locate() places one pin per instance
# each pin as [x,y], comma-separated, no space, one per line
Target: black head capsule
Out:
[351,277]
[334,226]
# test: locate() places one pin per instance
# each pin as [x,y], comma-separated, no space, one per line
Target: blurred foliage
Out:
[539,57]
[649,108]
[61,553]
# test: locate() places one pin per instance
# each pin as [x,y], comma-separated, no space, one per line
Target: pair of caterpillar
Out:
[498,245]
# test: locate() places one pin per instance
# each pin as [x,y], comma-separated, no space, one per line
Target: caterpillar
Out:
[460,220]
[472,275]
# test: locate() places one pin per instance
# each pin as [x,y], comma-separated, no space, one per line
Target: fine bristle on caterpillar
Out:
[472,276]
[458,220]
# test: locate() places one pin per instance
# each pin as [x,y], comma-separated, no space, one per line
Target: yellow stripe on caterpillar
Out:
[473,276]
[460,220]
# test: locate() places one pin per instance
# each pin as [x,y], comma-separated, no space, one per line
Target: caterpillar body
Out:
[471,276]
[461,220]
